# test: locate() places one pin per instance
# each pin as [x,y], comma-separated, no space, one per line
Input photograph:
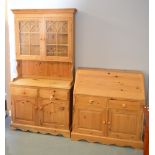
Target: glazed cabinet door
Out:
[24,110]
[125,124]
[58,38]
[29,37]
[53,113]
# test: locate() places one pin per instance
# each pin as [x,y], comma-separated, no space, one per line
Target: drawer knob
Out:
[123,105]
[40,108]
[51,97]
[104,122]
[35,107]
[91,101]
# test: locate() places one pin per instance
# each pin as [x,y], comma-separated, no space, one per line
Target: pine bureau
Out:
[108,107]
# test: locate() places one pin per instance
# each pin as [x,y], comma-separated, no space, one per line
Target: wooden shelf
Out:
[63,84]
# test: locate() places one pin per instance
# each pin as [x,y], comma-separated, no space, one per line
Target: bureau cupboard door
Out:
[125,124]
[29,37]
[58,38]
[53,113]
[89,120]
[24,110]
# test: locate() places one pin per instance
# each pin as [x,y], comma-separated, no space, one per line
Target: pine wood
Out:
[32,32]
[106,140]
[44,11]
[40,95]
[112,83]
[23,109]
[108,107]
[40,129]
[50,83]
[44,69]
[146,131]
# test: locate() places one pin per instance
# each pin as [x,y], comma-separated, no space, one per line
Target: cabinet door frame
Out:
[15,119]
[76,114]
[69,20]
[56,106]
[42,19]
[137,117]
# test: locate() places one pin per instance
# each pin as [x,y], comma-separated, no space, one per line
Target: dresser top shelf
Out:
[63,84]
[45,11]
[110,83]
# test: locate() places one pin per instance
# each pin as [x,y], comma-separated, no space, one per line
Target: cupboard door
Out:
[125,124]
[24,110]
[53,113]
[28,38]
[89,120]
[58,38]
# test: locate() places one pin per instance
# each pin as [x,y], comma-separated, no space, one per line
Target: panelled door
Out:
[124,124]
[89,120]
[53,113]
[24,110]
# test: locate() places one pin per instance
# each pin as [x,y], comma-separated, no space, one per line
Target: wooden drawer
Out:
[24,91]
[54,94]
[84,100]
[58,103]
[120,104]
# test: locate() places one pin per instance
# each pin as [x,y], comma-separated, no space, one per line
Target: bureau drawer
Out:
[24,91]
[120,104]
[54,94]
[83,100]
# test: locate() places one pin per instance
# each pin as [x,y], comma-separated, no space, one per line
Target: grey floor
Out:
[27,143]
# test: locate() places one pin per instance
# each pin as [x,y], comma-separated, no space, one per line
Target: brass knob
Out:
[104,122]
[91,101]
[51,97]
[123,105]
[40,108]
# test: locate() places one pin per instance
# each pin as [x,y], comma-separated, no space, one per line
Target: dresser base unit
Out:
[36,107]
[39,129]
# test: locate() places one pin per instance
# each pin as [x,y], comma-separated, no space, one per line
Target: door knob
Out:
[51,97]
[91,101]
[40,108]
[108,123]
[104,122]
[123,105]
